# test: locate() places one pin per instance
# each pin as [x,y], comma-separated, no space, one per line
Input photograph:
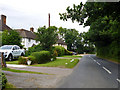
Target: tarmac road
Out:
[93,72]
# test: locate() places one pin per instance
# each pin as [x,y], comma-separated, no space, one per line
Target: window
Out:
[29,39]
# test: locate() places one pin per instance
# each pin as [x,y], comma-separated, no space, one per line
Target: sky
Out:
[34,13]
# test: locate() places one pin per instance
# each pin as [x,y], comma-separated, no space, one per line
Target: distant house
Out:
[28,36]
[60,42]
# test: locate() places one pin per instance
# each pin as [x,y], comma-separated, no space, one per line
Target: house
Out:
[28,36]
[60,42]
[3,25]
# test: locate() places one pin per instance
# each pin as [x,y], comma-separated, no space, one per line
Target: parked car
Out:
[11,51]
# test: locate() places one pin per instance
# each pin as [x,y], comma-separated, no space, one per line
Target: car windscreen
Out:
[6,47]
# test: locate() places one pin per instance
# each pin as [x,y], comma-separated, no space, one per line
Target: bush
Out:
[4,80]
[33,59]
[42,56]
[60,50]
[35,48]
[67,52]
[22,60]
[54,55]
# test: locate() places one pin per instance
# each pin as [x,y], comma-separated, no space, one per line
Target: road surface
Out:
[92,72]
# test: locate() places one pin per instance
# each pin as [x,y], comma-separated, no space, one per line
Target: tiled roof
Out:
[26,34]
[60,41]
[4,27]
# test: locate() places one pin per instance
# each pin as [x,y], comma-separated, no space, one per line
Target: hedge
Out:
[4,80]
[42,56]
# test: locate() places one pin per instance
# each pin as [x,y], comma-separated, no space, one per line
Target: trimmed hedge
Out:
[4,80]
[35,48]
[42,56]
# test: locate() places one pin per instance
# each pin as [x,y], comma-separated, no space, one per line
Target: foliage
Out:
[35,48]
[4,80]
[67,52]
[22,60]
[11,38]
[54,55]
[60,50]
[33,59]
[42,56]
[47,37]
[104,22]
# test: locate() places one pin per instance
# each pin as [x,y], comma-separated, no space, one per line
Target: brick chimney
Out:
[32,29]
[3,19]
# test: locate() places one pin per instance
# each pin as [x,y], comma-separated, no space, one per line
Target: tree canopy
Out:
[47,36]
[104,21]
[11,38]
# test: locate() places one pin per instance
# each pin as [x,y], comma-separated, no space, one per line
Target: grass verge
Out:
[9,85]
[65,63]
[110,59]
[22,71]
[11,62]
[72,56]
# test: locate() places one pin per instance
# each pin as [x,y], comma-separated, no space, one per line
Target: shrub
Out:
[42,56]
[33,59]
[67,52]
[4,80]
[22,60]
[54,55]
[60,50]
[35,48]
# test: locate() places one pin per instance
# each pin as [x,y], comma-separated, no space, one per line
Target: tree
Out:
[47,36]
[104,21]
[11,38]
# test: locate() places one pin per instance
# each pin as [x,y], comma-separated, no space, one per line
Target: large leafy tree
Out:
[104,21]
[47,36]
[11,38]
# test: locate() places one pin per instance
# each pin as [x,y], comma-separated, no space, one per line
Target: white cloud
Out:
[27,13]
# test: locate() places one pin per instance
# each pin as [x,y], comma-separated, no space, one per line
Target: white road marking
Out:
[98,63]
[107,70]
[118,80]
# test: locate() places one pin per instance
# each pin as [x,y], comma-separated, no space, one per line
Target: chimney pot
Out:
[32,29]
[3,19]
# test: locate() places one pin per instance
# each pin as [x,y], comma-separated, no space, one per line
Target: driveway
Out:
[28,80]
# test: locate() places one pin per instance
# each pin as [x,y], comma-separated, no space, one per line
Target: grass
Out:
[72,56]
[9,85]
[11,62]
[22,71]
[59,63]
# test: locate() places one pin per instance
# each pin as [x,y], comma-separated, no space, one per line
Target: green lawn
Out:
[56,63]
[64,63]
[22,71]
[11,62]
[72,56]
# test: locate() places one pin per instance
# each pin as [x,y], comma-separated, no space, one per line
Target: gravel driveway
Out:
[28,80]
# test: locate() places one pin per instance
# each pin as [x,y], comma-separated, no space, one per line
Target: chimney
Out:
[32,29]
[49,20]
[3,19]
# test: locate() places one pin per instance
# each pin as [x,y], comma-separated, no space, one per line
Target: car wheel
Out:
[10,57]
[22,54]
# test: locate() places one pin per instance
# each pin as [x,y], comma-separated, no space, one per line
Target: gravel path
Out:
[28,80]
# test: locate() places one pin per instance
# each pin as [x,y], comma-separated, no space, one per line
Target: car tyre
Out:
[10,57]
[22,54]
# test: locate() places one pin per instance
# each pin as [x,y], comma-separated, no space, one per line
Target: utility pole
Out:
[49,20]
